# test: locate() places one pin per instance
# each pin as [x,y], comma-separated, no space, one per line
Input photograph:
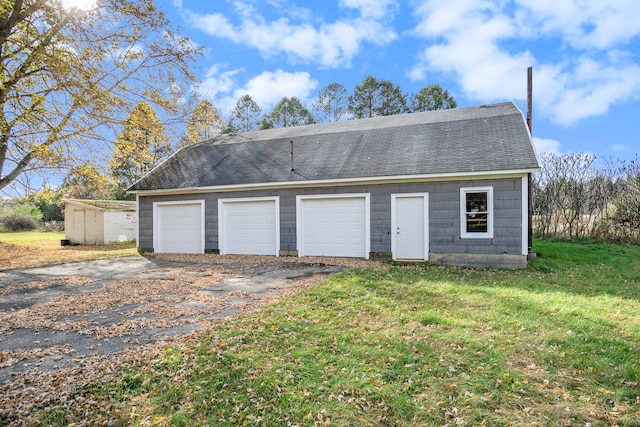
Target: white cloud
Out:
[376,9]
[215,22]
[586,24]
[469,32]
[546,145]
[469,39]
[266,89]
[620,147]
[329,44]
[584,88]
[216,83]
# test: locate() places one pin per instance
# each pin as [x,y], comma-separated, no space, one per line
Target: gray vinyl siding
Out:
[444,214]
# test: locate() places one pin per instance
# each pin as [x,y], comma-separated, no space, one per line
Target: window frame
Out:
[464,234]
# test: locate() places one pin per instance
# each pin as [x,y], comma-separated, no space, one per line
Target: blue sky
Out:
[585,55]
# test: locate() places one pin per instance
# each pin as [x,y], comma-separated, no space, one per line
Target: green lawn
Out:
[556,344]
[32,238]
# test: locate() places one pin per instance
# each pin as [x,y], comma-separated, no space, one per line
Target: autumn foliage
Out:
[69,75]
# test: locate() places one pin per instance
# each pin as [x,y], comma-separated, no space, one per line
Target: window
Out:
[476,212]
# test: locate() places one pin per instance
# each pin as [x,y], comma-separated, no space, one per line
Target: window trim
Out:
[464,234]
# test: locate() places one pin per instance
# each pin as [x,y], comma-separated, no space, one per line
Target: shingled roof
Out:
[104,205]
[464,140]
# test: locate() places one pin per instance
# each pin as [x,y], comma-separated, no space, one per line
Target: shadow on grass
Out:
[587,268]
[99,248]
[584,268]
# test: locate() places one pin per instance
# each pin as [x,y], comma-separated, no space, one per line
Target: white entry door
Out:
[410,226]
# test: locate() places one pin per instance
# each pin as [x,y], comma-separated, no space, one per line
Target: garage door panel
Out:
[249,227]
[334,226]
[179,228]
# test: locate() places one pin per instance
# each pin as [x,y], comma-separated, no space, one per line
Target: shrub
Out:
[19,222]
[48,202]
[27,209]
[16,217]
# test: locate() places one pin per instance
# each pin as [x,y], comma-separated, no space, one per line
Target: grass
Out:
[24,249]
[32,238]
[556,344]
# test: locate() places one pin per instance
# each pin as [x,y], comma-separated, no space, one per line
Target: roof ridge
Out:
[358,125]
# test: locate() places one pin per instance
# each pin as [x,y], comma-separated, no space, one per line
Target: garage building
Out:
[448,186]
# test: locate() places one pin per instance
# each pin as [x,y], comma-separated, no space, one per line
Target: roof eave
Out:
[399,179]
[122,205]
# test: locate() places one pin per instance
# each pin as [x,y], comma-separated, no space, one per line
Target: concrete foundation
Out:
[511,262]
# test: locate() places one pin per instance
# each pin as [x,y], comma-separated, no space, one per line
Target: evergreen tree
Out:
[245,116]
[391,100]
[374,97]
[286,113]
[432,97]
[331,103]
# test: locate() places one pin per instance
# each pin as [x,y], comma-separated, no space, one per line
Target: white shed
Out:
[99,222]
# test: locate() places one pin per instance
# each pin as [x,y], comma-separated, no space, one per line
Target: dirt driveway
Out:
[62,326]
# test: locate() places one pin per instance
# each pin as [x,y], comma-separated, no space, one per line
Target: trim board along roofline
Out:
[338,182]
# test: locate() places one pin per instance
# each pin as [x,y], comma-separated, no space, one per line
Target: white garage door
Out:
[249,226]
[179,227]
[333,225]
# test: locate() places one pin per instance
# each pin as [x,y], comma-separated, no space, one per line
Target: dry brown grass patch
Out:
[13,256]
[264,259]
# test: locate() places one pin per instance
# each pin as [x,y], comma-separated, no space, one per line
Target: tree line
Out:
[575,196]
[371,98]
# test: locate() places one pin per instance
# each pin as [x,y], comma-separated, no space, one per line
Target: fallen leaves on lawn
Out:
[9,358]
[169,297]
[14,256]
[41,284]
[158,297]
[38,389]
[255,260]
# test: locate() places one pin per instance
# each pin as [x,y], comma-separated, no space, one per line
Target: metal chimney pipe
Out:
[292,166]
[529,97]
[530,253]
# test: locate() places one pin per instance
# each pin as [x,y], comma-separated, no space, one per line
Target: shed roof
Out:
[463,140]
[104,205]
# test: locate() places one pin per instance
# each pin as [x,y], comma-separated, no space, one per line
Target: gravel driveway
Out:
[62,326]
